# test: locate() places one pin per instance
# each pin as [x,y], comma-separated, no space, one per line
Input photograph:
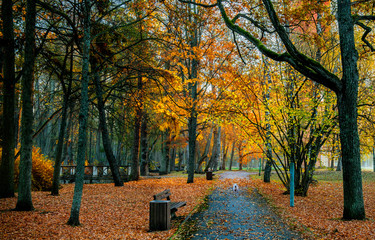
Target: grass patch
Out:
[189,227]
[333,176]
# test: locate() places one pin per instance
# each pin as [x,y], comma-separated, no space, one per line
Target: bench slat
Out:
[164,194]
[175,205]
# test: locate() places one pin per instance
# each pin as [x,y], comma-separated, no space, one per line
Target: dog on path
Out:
[235,188]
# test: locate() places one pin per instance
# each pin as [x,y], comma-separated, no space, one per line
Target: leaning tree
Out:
[345,86]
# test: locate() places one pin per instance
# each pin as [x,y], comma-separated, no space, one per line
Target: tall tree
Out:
[104,130]
[193,92]
[346,90]
[9,85]
[224,153]
[24,201]
[64,117]
[144,146]
[83,116]
[232,155]
[268,150]
[135,170]
[347,107]
[214,159]
[166,158]
[204,155]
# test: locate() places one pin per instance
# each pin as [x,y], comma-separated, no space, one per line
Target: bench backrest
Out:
[164,194]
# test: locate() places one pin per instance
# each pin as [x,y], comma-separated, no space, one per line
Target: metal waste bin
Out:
[209,175]
[160,215]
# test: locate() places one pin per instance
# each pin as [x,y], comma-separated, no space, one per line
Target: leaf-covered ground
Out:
[110,212]
[319,215]
[241,214]
[107,212]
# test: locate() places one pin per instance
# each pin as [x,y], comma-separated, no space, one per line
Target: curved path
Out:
[239,215]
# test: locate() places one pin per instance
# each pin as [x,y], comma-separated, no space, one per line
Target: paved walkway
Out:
[239,215]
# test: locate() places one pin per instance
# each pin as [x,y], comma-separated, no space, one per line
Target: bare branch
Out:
[302,63]
[238,48]
[367,31]
[256,23]
[366,17]
[53,9]
[199,4]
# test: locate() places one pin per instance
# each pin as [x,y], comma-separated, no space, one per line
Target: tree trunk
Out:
[347,108]
[224,153]
[351,163]
[213,162]
[24,201]
[89,158]
[186,157]
[232,155]
[103,126]
[193,92]
[144,147]
[83,115]
[67,142]
[339,165]
[180,158]
[267,171]
[164,165]
[217,146]
[9,123]
[268,167]
[59,149]
[64,116]
[68,149]
[206,151]
[98,146]
[135,171]
[309,172]
[173,160]
[192,128]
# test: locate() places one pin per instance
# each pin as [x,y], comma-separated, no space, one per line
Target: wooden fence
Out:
[92,173]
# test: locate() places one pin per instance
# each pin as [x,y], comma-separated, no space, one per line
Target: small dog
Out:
[235,188]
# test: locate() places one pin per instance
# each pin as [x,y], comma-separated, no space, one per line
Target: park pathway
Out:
[240,215]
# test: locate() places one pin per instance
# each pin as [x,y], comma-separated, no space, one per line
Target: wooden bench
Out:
[174,205]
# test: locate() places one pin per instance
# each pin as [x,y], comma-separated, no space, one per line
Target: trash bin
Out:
[209,175]
[160,215]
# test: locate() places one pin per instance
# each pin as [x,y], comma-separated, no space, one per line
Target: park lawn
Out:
[318,216]
[107,212]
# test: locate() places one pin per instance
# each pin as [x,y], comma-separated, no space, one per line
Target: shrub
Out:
[42,171]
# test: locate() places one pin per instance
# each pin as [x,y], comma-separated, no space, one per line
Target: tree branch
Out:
[53,9]
[367,31]
[199,4]
[305,65]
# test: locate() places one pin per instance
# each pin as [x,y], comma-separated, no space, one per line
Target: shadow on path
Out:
[239,215]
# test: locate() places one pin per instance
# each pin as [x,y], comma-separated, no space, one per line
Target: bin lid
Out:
[160,201]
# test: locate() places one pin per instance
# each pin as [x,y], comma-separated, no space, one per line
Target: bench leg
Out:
[173,213]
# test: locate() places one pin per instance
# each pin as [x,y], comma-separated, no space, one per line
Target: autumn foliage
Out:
[106,213]
[42,171]
[318,216]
